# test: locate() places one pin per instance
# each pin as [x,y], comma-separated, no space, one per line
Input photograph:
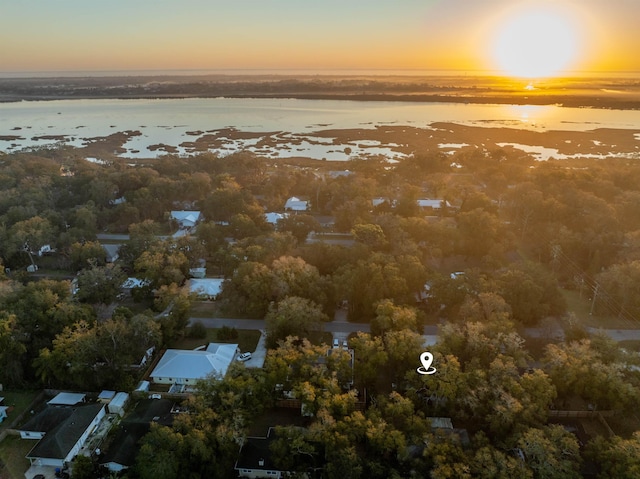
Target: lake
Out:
[172,122]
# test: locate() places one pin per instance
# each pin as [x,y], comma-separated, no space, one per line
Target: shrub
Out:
[198,331]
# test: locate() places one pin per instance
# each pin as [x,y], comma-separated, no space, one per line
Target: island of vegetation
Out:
[520,277]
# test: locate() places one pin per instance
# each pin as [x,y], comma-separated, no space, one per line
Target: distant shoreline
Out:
[570,102]
[583,92]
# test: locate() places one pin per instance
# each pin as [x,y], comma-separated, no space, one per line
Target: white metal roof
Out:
[67,399]
[119,400]
[182,364]
[206,286]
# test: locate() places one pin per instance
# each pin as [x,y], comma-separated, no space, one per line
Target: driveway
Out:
[258,356]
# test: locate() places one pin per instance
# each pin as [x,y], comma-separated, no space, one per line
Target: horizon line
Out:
[17,74]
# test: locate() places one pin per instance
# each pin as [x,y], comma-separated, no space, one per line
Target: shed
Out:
[143,386]
[118,403]
[106,396]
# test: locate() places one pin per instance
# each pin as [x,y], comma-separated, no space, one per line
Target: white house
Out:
[184,367]
[62,443]
[273,218]
[206,287]
[185,219]
[296,204]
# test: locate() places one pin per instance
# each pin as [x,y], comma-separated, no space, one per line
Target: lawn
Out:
[247,339]
[211,309]
[581,307]
[18,402]
[12,453]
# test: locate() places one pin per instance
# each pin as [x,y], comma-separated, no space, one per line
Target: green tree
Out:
[99,285]
[299,226]
[161,454]
[551,453]
[83,468]
[579,369]
[369,281]
[12,352]
[532,293]
[393,318]
[32,234]
[162,264]
[370,235]
[491,463]
[617,457]
[293,316]
[174,306]
[85,254]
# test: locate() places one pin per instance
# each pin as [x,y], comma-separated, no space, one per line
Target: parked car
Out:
[244,356]
[336,343]
[345,345]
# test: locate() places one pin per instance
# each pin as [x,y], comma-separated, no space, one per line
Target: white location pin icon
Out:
[426,359]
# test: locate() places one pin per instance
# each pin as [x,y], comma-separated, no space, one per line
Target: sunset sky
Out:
[81,35]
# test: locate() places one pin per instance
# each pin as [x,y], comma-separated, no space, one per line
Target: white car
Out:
[244,356]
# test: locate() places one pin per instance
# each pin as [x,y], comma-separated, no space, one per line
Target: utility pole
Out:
[593,301]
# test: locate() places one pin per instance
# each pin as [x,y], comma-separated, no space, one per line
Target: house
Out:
[131,283]
[63,442]
[254,459]
[185,219]
[273,218]
[182,367]
[296,204]
[375,202]
[427,204]
[112,252]
[199,271]
[123,449]
[206,288]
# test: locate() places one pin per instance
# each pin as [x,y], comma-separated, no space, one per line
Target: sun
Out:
[537,42]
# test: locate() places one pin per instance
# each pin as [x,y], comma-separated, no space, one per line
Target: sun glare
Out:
[535,43]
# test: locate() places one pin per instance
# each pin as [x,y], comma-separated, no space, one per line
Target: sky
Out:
[86,35]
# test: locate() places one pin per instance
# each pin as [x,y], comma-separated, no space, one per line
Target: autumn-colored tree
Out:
[293,316]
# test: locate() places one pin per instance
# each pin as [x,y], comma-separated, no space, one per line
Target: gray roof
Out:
[47,419]
[124,447]
[57,443]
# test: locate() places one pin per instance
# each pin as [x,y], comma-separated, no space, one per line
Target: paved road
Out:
[112,237]
[340,328]
[618,334]
[259,324]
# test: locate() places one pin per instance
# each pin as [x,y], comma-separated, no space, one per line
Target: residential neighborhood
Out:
[239,317]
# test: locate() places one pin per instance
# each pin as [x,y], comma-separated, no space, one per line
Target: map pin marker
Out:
[426,359]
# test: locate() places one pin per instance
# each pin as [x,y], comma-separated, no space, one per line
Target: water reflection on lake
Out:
[173,122]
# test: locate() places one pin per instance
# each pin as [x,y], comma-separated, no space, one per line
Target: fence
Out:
[598,415]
